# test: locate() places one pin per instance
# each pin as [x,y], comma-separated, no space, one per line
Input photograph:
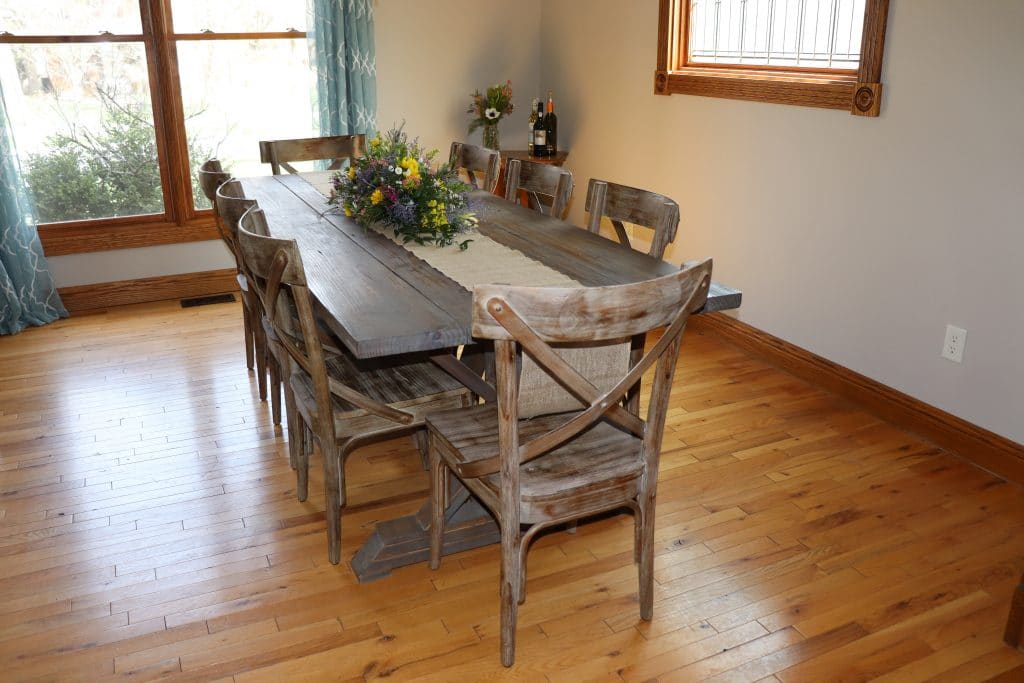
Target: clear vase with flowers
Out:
[487,109]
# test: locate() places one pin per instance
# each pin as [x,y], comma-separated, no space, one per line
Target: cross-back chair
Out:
[476,160]
[211,176]
[334,148]
[1013,635]
[581,451]
[232,204]
[643,208]
[342,403]
[547,188]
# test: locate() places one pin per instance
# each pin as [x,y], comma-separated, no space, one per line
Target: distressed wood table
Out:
[380,300]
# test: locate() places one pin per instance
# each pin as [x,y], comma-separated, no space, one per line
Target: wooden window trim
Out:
[858,92]
[181,221]
[82,237]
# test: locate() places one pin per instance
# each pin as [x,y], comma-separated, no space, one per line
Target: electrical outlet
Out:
[953,347]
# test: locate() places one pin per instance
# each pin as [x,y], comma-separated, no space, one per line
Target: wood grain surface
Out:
[149,528]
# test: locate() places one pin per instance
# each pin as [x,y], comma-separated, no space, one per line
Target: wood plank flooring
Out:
[149,529]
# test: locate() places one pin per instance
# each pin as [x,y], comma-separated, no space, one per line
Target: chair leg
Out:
[249,341]
[521,595]
[1014,633]
[334,488]
[302,453]
[438,489]
[292,421]
[261,360]
[646,572]
[637,526]
[275,389]
[510,580]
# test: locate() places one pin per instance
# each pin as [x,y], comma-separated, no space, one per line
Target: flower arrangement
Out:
[394,185]
[488,108]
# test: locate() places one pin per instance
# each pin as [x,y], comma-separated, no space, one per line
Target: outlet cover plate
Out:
[953,346]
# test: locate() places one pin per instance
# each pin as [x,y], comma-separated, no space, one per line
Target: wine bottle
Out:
[551,128]
[532,121]
[540,133]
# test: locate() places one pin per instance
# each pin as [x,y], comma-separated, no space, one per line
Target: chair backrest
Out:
[548,188]
[476,160]
[231,203]
[334,148]
[624,204]
[211,175]
[536,321]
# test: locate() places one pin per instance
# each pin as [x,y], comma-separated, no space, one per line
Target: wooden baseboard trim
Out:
[982,447]
[106,294]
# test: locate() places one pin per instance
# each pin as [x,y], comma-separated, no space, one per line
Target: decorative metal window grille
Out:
[814,34]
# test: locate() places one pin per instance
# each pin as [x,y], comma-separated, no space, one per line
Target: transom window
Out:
[822,53]
[815,34]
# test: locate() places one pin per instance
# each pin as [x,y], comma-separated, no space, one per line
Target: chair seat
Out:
[417,387]
[571,477]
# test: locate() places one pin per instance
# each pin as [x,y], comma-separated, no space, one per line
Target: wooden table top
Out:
[380,300]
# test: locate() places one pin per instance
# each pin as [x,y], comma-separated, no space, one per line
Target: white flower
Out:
[491,113]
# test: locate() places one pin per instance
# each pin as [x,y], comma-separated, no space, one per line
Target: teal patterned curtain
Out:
[27,294]
[341,50]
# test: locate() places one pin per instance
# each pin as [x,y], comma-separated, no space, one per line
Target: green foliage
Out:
[112,171]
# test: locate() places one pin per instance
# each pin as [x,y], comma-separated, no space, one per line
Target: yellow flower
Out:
[351,172]
[375,142]
[412,166]
[377,197]
[348,209]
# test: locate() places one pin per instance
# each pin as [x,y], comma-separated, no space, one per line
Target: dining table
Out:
[379,299]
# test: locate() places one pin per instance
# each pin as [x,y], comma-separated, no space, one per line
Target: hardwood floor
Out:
[149,528]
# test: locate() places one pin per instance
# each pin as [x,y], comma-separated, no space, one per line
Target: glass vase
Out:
[491,140]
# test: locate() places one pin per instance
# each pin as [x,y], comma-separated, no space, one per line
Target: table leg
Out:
[406,540]
[468,524]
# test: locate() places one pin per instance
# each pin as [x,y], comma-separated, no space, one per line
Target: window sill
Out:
[778,87]
[59,240]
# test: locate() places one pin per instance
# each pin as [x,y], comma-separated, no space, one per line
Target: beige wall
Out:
[858,239]
[430,56]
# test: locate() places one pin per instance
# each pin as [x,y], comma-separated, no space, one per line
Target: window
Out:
[113,103]
[819,53]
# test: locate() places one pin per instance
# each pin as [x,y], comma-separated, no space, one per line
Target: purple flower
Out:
[402,213]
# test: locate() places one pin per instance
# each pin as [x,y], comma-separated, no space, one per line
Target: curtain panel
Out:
[342,52]
[27,293]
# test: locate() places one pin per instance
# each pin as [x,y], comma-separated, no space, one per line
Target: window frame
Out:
[859,92]
[181,221]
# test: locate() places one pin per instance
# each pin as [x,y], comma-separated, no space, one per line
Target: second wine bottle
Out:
[540,134]
[551,128]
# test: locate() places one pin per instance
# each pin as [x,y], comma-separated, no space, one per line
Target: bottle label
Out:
[540,138]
